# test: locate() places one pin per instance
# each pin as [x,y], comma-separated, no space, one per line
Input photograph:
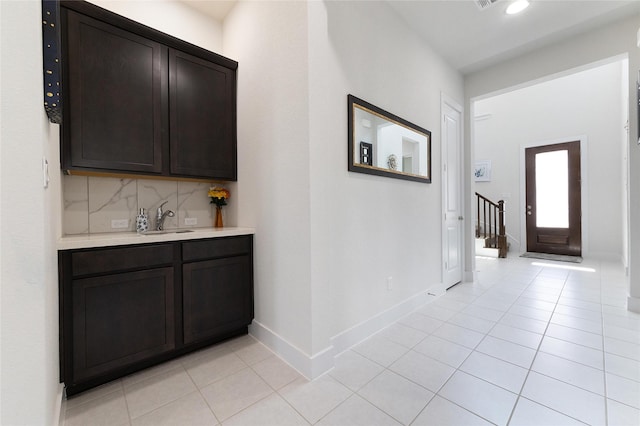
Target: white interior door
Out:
[452,232]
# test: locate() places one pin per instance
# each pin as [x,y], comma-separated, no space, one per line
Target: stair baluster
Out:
[491,226]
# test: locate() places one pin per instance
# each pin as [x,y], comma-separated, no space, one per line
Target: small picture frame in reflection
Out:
[366,153]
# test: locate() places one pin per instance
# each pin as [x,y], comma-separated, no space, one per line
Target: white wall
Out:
[171,17]
[327,239]
[269,40]
[29,301]
[624,166]
[389,143]
[367,228]
[587,104]
[618,38]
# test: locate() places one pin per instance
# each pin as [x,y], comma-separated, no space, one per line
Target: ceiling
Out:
[215,8]
[470,38]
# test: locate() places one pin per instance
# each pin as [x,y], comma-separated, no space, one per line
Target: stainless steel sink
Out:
[167,231]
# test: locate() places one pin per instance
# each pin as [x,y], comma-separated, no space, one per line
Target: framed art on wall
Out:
[482,171]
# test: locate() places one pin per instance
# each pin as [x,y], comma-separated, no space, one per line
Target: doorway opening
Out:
[558,110]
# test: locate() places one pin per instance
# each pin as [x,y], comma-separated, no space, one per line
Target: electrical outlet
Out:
[389,283]
[119,223]
[190,220]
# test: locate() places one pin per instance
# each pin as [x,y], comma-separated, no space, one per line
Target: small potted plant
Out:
[218,197]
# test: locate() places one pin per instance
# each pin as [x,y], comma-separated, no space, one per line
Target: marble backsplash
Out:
[92,203]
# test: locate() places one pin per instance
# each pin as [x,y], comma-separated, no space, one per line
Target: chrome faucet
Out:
[161,216]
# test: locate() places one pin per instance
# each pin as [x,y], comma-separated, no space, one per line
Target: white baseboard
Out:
[359,332]
[633,304]
[294,356]
[513,241]
[604,256]
[469,276]
[320,363]
[437,290]
[58,410]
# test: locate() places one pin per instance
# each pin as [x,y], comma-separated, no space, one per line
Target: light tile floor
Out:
[529,343]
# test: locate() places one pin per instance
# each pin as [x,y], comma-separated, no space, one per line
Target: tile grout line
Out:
[385,368]
[248,367]
[410,349]
[535,355]
[126,403]
[200,393]
[457,369]
[604,359]
[274,390]
[548,322]
[277,391]
[485,336]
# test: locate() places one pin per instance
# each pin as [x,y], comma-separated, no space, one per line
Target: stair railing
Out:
[490,226]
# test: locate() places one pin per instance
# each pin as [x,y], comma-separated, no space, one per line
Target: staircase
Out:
[490,224]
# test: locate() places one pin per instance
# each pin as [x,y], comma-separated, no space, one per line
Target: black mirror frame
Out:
[356,167]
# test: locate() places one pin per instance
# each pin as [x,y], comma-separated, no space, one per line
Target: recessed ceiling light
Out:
[517,7]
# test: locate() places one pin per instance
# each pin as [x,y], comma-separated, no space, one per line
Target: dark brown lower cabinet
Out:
[212,302]
[126,308]
[120,319]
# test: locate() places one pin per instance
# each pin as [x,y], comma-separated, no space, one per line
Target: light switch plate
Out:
[45,172]
[190,220]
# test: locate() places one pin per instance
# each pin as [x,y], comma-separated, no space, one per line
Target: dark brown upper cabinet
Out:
[202,108]
[115,85]
[138,101]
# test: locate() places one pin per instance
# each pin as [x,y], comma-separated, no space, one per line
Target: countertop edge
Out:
[72,242]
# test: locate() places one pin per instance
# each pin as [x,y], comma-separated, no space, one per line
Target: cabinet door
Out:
[217,297]
[117,89]
[202,117]
[120,319]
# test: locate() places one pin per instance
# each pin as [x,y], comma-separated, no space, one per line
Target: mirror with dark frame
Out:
[383,144]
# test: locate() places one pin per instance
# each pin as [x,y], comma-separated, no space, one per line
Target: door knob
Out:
[529,213]
[528,207]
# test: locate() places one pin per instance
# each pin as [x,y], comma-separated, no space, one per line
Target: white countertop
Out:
[124,238]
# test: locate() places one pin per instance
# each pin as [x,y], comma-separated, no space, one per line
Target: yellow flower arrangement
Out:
[219,196]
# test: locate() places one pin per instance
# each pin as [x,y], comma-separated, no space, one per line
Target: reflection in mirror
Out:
[383,144]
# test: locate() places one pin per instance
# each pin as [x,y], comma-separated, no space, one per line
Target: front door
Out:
[553,209]
[452,245]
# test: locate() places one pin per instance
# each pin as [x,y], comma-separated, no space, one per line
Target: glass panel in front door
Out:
[552,189]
